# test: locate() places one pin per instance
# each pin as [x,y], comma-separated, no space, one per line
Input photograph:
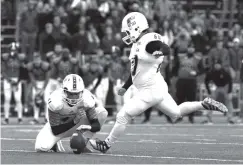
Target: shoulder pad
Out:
[45,65]
[21,56]
[55,102]
[73,60]
[49,54]
[5,56]
[89,100]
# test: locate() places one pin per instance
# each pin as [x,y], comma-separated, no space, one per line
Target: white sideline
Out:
[143,156]
[141,141]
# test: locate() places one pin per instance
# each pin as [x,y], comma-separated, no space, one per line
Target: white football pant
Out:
[17,92]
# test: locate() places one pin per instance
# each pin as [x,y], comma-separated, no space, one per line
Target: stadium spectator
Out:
[199,39]
[65,37]
[93,40]
[79,41]
[107,41]
[62,14]
[210,23]
[56,26]
[45,15]
[223,81]
[7,13]
[57,53]
[28,29]
[148,10]
[187,70]
[219,54]
[47,40]
[167,32]
[73,18]
[236,56]
[162,9]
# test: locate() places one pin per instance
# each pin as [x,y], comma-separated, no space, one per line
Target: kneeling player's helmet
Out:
[133,24]
[73,87]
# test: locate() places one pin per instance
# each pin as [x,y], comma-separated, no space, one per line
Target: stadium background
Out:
[201,22]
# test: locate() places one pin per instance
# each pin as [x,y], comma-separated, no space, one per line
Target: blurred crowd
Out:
[86,39]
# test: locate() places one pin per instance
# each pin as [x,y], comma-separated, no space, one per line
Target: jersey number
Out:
[134,63]
[156,36]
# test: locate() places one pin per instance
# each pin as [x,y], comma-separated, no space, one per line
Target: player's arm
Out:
[92,114]
[128,83]
[157,49]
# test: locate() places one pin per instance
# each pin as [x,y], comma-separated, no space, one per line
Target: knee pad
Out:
[123,118]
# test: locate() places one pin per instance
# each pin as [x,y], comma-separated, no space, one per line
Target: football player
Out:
[146,57]
[72,110]
[39,73]
[62,64]
[11,63]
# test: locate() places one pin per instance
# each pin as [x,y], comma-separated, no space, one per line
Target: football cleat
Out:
[5,122]
[211,104]
[99,145]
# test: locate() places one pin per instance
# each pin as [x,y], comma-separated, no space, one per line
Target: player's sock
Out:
[115,133]
[36,113]
[189,107]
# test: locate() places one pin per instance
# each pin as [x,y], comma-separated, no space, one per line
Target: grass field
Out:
[158,143]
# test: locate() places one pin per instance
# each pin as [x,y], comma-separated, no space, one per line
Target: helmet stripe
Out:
[74,82]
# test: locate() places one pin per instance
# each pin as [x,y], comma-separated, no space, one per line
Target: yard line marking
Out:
[206,139]
[164,157]
[143,156]
[142,141]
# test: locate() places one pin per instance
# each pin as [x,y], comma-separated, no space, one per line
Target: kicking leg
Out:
[132,108]
[169,107]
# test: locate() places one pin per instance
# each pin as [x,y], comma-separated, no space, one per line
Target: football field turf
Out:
[155,143]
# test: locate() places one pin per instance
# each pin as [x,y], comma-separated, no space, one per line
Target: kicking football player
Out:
[70,108]
[146,56]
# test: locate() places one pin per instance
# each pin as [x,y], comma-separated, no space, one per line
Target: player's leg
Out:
[7,97]
[45,139]
[17,96]
[169,106]
[36,109]
[132,108]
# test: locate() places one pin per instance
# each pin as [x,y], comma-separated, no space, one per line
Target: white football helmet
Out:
[133,24]
[73,87]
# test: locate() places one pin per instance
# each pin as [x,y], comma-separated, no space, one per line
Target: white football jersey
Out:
[60,112]
[145,68]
